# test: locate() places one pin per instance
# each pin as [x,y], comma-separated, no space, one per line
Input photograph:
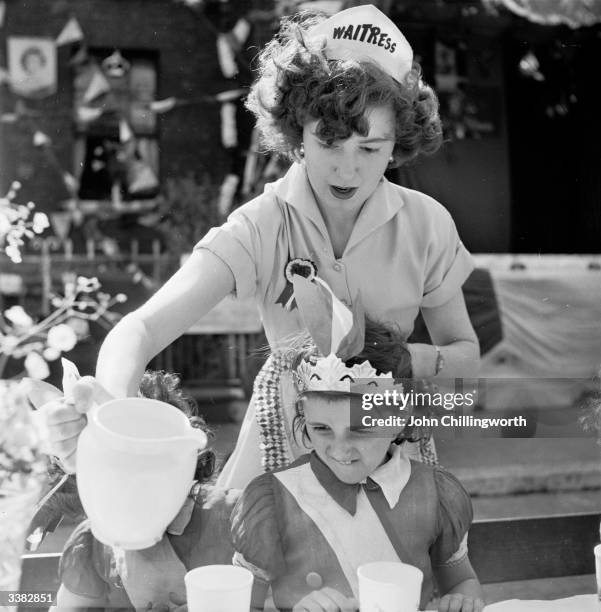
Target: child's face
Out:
[343,174]
[351,454]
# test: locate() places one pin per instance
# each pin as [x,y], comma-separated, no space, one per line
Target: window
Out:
[116,152]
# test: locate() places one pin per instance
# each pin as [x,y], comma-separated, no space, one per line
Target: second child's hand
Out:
[177,603]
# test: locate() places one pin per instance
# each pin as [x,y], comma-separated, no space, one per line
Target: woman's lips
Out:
[342,193]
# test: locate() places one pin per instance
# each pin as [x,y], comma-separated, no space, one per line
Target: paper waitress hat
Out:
[365,33]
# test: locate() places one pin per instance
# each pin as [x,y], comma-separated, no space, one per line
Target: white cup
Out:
[218,588]
[389,587]
[597,550]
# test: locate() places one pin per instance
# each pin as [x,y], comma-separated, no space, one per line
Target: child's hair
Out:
[589,407]
[296,84]
[386,351]
[159,385]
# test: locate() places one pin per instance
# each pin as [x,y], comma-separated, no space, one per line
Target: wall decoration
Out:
[71,33]
[32,66]
[98,86]
[115,65]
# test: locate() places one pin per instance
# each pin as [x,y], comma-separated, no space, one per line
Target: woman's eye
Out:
[326,145]
[320,428]
[369,150]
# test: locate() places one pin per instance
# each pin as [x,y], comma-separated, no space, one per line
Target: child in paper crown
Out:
[356,497]
[95,575]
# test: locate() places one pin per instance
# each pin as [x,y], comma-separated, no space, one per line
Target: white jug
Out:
[135,465]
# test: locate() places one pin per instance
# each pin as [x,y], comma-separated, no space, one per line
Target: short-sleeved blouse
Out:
[288,529]
[404,252]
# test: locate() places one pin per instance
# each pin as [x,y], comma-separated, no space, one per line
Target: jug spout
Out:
[196,438]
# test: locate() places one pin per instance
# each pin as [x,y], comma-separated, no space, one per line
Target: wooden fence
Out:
[217,354]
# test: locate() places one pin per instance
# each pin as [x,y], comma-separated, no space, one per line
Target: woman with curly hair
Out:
[342,98]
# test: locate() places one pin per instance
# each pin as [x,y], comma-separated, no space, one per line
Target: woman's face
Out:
[345,173]
[352,454]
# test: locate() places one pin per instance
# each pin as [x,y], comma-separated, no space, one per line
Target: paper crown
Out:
[338,334]
[331,374]
[365,33]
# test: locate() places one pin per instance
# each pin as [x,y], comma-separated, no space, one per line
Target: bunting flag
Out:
[9,118]
[61,223]
[162,106]
[80,56]
[227,193]
[229,134]
[226,56]
[41,140]
[70,33]
[87,114]
[140,177]
[71,183]
[125,133]
[98,86]
[228,96]
[241,30]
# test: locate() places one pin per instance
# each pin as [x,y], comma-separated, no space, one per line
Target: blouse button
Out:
[337,267]
[314,580]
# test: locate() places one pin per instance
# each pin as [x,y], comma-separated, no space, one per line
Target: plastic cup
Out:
[389,587]
[218,588]
[597,550]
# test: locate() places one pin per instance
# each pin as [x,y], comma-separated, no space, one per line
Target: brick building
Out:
[168,49]
[523,180]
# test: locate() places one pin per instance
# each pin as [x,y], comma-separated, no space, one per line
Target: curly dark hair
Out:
[297,84]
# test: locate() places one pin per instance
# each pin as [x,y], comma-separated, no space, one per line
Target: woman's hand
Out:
[458,602]
[65,420]
[326,600]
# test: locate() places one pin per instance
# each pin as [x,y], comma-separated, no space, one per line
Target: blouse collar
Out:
[295,189]
[391,477]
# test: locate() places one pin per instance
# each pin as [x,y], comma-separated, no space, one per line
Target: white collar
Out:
[393,475]
[295,189]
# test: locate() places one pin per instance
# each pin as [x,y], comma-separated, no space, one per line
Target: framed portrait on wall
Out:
[32,66]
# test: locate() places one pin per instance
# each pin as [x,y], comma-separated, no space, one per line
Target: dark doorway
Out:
[554,126]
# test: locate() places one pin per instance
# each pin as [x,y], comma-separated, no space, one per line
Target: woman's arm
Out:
[451,330]
[202,282]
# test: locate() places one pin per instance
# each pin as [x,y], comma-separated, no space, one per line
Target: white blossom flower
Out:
[80,326]
[51,354]
[61,337]
[40,222]
[5,224]
[36,366]
[87,285]
[13,253]
[17,316]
